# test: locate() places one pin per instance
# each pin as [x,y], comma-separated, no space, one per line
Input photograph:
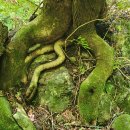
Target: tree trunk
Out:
[49,26]
[57,19]
[92,87]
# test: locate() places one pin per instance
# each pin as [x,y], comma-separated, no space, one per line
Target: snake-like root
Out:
[61,57]
[47,48]
[33,55]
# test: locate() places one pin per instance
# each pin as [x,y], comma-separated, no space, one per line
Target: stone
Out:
[22,119]
[55,89]
[106,106]
[122,122]
[7,121]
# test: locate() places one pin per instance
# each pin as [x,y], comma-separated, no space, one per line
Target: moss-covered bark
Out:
[92,87]
[49,26]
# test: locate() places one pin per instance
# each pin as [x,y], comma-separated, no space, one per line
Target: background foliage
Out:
[14,13]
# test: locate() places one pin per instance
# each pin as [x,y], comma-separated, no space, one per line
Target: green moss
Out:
[55,90]
[48,27]
[22,119]
[89,98]
[13,61]
[109,88]
[106,107]
[92,87]
[123,99]
[6,122]
[122,122]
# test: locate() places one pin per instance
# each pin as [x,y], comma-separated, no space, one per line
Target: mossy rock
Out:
[55,89]
[122,96]
[22,119]
[106,106]
[123,99]
[7,121]
[122,122]
[115,98]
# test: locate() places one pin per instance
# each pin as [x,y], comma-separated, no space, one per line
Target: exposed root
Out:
[33,84]
[38,52]
[33,55]
[33,48]
[92,87]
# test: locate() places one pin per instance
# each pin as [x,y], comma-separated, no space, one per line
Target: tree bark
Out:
[49,26]
[92,87]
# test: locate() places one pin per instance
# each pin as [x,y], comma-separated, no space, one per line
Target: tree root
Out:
[92,87]
[33,55]
[47,48]
[61,57]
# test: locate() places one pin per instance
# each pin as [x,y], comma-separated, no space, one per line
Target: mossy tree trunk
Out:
[57,19]
[49,26]
[92,87]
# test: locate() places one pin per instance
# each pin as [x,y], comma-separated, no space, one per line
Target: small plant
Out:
[82,69]
[117,64]
[82,41]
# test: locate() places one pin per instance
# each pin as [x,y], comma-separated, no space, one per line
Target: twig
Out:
[123,74]
[68,57]
[37,7]
[85,126]
[89,59]
[124,58]
[125,65]
[52,121]
[82,26]
[32,3]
